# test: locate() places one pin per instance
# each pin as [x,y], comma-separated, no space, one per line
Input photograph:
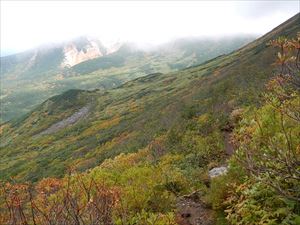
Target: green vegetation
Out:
[266,190]
[150,142]
[29,78]
[127,118]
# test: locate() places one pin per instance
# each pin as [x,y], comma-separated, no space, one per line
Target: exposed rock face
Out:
[66,122]
[215,172]
[85,49]
[73,55]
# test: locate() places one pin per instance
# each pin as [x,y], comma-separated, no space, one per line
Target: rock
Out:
[73,56]
[66,122]
[215,172]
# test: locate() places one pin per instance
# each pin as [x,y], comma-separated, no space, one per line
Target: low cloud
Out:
[26,24]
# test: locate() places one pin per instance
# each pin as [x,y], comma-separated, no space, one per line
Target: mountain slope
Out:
[29,78]
[52,57]
[129,117]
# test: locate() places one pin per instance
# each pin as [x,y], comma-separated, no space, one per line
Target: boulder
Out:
[217,171]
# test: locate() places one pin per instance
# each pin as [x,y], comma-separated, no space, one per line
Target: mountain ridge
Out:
[38,75]
[127,118]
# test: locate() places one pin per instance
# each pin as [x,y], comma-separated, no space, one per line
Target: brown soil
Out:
[228,145]
[192,211]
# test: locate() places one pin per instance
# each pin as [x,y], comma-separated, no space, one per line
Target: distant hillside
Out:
[29,78]
[128,117]
[54,57]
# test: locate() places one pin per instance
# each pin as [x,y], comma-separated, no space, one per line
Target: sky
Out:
[28,24]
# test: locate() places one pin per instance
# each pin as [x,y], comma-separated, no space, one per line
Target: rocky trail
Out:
[191,210]
[229,149]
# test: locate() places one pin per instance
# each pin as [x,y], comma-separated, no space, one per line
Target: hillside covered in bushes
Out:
[141,153]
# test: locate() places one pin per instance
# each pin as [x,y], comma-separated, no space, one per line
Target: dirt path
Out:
[228,146]
[192,211]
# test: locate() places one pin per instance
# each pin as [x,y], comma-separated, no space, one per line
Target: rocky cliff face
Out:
[77,52]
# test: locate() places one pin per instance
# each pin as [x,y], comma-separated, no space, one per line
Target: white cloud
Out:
[26,24]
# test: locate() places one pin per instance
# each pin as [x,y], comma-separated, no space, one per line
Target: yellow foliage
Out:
[203,118]
[3,127]
[110,144]
[133,107]
[101,125]
[125,161]
[216,72]
[84,163]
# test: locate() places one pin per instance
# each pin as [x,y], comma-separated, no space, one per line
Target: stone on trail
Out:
[215,172]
